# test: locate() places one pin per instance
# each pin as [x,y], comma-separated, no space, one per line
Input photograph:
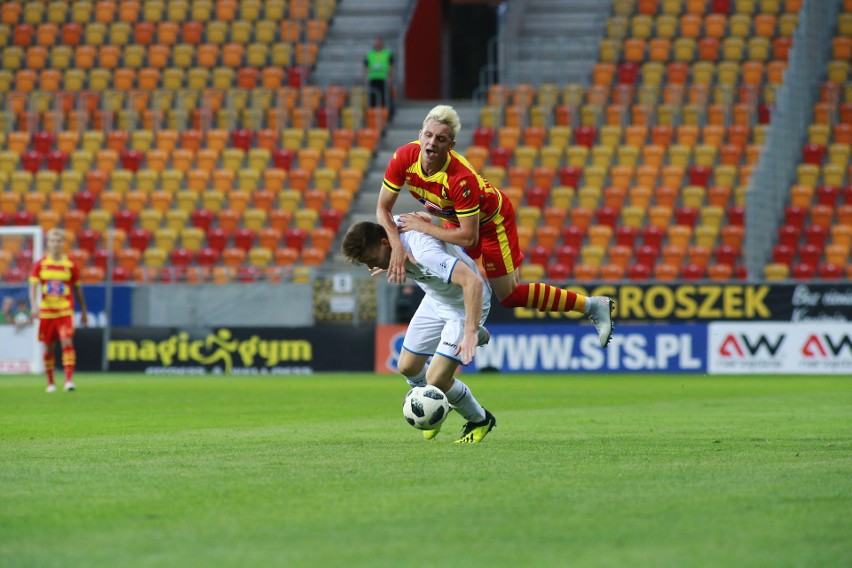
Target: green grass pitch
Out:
[609,471]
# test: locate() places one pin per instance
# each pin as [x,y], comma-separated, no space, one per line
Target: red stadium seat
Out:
[586,136]
[802,271]
[567,256]
[726,254]
[830,271]
[788,235]
[827,195]
[139,239]
[202,219]
[816,235]
[693,272]
[217,238]
[558,272]
[295,238]
[783,254]
[570,176]
[573,236]
[88,240]
[539,255]
[207,257]
[626,236]
[331,219]
[686,216]
[647,256]
[736,215]
[639,272]
[653,236]
[121,275]
[810,255]
[244,238]
[100,258]
[181,257]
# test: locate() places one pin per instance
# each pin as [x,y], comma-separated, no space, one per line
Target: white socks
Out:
[460,398]
[419,380]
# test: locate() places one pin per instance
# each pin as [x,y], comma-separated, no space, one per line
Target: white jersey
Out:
[433,271]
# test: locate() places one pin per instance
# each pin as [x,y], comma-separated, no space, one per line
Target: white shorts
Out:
[436,329]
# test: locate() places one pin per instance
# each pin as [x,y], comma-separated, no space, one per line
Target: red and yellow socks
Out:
[544,298]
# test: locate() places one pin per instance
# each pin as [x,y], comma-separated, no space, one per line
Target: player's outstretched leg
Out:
[599,309]
[474,432]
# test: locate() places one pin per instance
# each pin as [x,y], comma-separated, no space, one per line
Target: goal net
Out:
[20,352]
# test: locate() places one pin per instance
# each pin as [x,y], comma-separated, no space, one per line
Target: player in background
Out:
[448,324]
[476,215]
[56,277]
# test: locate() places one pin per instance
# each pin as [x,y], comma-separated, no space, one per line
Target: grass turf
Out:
[132,470]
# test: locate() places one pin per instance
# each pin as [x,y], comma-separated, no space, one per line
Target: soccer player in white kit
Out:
[448,324]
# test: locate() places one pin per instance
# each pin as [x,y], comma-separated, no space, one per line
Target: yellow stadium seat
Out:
[684,49]
[248,179]
[706,236]
[807,174]
[739,25]
[641,26]
[617,27]
[776,271]
[177,220]
[787,24]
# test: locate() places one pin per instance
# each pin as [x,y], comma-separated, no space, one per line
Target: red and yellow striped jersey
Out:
[57,278]
[453,192]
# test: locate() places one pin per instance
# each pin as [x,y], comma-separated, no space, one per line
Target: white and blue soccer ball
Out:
[425,408]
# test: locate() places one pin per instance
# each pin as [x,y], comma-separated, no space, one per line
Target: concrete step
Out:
[361,26]
[363,8]
[566,27]
[551,73]
[566,51]
[555,6]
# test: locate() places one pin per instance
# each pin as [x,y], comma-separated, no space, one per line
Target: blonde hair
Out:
[447,115]
[57,232]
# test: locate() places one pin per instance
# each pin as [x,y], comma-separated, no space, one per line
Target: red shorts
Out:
[55,329]
[498,243]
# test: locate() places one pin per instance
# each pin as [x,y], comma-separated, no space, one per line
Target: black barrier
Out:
[228,350]
[705,302]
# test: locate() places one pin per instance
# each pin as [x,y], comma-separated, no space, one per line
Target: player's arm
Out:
[35,307]
[384,217]
[81,301]
[465,235]
[471,284]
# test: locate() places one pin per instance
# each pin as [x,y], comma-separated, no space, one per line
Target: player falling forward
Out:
[448,324]
[476,215]
[57,277]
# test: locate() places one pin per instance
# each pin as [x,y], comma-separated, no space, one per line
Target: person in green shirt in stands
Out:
[378,73]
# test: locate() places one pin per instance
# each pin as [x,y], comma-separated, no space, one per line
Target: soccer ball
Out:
[425,408]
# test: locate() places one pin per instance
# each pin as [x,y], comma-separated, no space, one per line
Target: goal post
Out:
[20,352]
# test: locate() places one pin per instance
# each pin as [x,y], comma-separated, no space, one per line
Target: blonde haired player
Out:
[56,279]
[476,215]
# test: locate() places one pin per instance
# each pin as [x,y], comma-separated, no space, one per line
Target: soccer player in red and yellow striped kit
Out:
[58,280]
[476,215]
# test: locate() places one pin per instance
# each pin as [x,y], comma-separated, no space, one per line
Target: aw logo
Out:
[776,347]
[824,346]
[743,346]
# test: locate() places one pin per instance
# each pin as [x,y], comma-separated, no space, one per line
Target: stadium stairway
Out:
[552,40]
[356,24]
